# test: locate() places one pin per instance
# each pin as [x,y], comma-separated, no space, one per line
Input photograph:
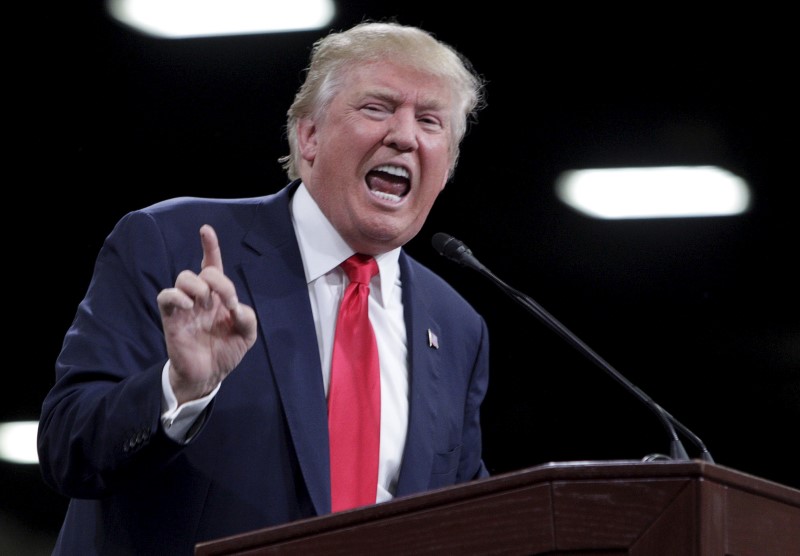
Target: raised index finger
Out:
[212,256]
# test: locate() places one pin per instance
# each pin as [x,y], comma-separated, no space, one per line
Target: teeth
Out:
[386,196]
[394,170]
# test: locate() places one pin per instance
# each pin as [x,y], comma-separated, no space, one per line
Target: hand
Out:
[206,329]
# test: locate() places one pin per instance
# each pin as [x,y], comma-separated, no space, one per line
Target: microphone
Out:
[455,250]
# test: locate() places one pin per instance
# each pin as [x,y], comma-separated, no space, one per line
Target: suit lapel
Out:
[280,296]
[424,371]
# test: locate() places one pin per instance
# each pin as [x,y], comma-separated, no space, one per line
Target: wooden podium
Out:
[687,508]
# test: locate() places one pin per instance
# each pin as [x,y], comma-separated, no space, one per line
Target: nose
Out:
[402,131]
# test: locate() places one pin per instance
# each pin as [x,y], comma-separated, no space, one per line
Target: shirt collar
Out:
[323,249]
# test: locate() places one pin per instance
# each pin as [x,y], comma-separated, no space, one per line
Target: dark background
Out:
[700,313]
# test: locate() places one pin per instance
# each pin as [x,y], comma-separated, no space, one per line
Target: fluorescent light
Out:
[204,18]
[18,442]
[657,192]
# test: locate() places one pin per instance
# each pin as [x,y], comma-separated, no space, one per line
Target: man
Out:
[190,400]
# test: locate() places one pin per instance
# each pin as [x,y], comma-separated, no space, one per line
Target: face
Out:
[378,157]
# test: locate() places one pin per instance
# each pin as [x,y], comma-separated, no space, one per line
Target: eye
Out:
[431,122]
[374,108]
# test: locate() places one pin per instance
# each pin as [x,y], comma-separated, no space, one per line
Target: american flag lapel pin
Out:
[433,340]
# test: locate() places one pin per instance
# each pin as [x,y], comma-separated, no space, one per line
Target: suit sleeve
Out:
[99,428]
[471,465]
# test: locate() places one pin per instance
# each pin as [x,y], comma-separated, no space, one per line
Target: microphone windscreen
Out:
[440,240]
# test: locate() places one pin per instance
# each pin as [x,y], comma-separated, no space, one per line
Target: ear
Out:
[446,180]
[307,139]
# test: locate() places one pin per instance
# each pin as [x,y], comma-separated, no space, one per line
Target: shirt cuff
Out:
[178,420]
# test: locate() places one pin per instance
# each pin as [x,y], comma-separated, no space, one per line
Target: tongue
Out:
[387,183]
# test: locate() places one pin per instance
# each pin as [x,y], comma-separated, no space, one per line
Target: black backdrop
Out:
[701,314]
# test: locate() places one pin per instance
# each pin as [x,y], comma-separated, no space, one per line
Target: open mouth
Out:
[389,182]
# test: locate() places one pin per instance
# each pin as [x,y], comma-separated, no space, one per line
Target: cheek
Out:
[432,191]
[342,151]
[437,169]
[438,150]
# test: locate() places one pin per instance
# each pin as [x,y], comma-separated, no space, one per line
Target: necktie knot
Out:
[360,268]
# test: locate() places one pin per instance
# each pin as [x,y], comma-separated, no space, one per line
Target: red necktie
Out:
[354,398]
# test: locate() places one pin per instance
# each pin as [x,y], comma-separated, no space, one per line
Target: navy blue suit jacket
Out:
[259,454]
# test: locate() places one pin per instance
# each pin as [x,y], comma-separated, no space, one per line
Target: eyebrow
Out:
[430,103]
